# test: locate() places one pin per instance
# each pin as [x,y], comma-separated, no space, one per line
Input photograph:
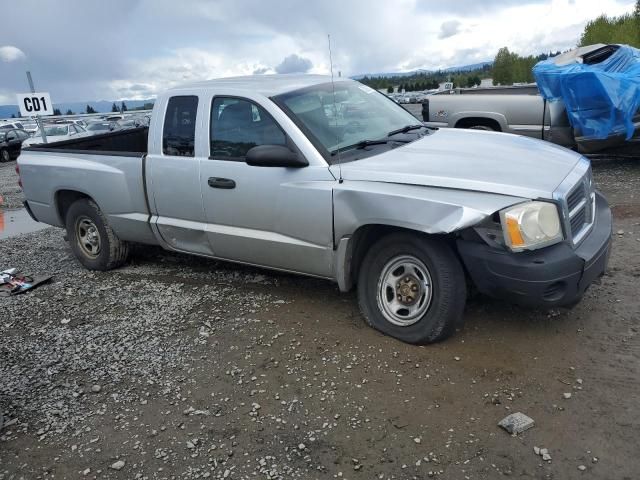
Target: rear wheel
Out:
[5,156]
[92,240]
[412,287]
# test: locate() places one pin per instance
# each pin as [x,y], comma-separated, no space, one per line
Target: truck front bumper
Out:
[553,276]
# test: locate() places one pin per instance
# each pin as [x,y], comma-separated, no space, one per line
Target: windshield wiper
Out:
[405,129]
[363,144]
[366,143]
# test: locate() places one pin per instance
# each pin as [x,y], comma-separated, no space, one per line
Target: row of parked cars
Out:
[16,134]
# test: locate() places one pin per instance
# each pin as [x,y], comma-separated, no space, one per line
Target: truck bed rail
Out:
[130,142]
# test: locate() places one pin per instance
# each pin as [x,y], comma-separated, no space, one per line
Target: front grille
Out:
[577,221]
[577,198]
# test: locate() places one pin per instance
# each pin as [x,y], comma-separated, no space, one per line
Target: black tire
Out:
[84,217]
[5,156]
[445,308]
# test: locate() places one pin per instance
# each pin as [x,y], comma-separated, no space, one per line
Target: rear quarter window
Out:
[178,134]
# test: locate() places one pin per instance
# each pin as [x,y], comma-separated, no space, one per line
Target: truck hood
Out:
[470,160]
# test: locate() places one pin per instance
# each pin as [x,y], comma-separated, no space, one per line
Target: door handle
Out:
[224,183]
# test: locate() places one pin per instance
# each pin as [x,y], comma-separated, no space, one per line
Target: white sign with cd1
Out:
[32,104]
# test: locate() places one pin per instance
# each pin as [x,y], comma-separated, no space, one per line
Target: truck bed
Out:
[109,168]
[130,142]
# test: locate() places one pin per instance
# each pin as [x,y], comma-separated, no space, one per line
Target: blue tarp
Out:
[602,98]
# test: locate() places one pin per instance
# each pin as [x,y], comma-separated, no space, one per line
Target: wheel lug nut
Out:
[414,288]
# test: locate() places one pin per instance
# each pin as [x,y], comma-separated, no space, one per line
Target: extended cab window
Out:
[178,135]
[239,125]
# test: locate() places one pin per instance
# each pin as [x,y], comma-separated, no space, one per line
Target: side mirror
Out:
[274,156]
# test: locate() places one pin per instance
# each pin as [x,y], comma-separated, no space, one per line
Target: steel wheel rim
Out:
[404,290]
[88,237]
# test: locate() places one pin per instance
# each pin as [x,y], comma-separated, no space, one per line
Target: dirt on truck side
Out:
[178,367]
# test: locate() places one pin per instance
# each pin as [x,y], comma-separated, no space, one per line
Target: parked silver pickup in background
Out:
[336,181]
[520,114]
[522,110]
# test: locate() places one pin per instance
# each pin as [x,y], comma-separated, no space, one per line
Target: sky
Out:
[81,50]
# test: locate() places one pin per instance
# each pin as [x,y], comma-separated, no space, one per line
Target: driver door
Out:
[279,217]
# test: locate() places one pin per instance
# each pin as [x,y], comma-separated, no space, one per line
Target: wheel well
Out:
[365,236]
[64,199]
[473,121]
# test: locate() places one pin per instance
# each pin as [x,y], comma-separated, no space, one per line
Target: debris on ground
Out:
[12,282]
[516,423]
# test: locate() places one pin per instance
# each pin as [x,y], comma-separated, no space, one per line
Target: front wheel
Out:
[412,287]
[5,156]
[92,240]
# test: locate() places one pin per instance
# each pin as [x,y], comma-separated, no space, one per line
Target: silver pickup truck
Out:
[521,114]
[336,181]
[523,111]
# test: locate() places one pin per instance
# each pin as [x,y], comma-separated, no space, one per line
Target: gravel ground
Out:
[9,189]
[180,367]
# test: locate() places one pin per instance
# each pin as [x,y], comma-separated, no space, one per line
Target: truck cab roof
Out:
[267,85]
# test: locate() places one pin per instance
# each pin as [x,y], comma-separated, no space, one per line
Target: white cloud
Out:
[449,28]
[117,56]
[9,53]
[294,64]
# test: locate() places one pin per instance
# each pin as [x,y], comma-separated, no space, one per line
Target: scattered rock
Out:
[516,423]
[536,450]
[566,395]
[417,440]
[582,468]
[301,446]
[546,457]
[119,465]
[96,388]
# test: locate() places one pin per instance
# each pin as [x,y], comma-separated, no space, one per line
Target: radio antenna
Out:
[335,111]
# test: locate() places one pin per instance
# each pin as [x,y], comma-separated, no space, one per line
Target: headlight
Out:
[531,225]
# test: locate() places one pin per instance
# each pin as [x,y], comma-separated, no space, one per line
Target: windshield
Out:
[358,114]
[54,130]
[99,126]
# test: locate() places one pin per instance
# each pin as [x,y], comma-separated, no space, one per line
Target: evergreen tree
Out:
[503,67]
[123,106]
[390,89]
[69,112]
[90,109]
[624,29]
[114,107]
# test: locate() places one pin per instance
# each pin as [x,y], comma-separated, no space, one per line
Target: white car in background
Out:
[57,132]
[6,125]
